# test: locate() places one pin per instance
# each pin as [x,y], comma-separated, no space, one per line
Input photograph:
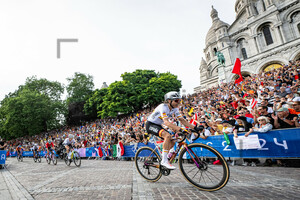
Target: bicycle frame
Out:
[51,153]
[178,149]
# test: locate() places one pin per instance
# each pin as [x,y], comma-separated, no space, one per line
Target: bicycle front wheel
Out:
[200,171]
[76,159]
[48,159]
[54,160]
[147,162]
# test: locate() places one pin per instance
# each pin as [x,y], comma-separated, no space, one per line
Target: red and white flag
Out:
[253,103]
[194,119]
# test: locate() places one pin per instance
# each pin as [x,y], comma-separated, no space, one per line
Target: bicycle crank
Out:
[165,171]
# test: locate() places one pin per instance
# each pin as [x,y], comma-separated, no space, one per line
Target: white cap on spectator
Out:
[219,120]
[296,99]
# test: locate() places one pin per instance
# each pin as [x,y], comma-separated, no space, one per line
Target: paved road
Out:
[98,179]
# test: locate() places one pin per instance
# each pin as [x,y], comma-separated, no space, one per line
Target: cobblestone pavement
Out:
[98,179]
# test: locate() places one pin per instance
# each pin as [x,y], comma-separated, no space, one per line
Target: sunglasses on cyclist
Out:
[177,100]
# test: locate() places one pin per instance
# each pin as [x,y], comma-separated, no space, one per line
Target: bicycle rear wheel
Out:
[147,162]
[199,172]
[77,159]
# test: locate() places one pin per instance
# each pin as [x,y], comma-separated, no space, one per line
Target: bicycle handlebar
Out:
[184,135]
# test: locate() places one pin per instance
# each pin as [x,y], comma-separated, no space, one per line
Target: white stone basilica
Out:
[264,35]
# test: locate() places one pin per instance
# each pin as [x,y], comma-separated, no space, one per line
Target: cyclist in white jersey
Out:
[68,142]
[161,115]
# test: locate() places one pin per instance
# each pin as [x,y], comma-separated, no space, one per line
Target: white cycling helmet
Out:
[49,141]
[70,136]
[172,96]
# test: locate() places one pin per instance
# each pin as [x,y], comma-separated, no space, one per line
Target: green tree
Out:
[80,87]
[158,87]
[136,82]
[137,90]
[116,101]
[35,107]
[93,104]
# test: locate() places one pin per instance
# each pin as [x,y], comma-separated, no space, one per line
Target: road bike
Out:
[75,157]
[37,157]
[206,168]
[51,157]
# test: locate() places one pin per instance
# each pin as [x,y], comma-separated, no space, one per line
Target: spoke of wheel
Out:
[215,170]
[204,180]
[214,175]
[200,177]
[208,177]
[192,169]
[196,173]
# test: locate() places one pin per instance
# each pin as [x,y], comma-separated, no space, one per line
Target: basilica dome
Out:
[211,36]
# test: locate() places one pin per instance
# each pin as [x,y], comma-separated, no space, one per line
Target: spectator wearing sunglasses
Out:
[263,125]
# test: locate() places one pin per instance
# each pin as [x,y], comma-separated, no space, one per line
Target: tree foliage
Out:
[33,108]
[137,90]
[80,87]
[93,104]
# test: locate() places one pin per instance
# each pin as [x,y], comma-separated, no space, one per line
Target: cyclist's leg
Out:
[68,151]
[67,148]
[167,145]
[159,131]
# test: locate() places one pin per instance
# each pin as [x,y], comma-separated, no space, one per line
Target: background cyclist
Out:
[49,146]
[68,144]
[19,149]
[35,149]
[161,116]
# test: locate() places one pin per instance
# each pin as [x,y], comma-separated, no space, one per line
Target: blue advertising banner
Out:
[273,144]
[2,157]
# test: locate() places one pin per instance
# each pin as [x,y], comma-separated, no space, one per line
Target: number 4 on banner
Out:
[284,144]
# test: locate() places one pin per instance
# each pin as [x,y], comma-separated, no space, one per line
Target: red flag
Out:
[237,70]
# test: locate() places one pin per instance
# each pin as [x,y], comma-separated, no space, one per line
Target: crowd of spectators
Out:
[262,102]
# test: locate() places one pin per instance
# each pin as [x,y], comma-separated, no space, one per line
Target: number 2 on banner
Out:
[263,144]
[226,148]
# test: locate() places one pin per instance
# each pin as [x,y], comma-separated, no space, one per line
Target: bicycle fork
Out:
[189,152]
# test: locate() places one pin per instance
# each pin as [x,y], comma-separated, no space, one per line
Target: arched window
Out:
[242,48]
[244,53]
[267,34]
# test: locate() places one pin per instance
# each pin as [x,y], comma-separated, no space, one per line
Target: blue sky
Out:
[114,37]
